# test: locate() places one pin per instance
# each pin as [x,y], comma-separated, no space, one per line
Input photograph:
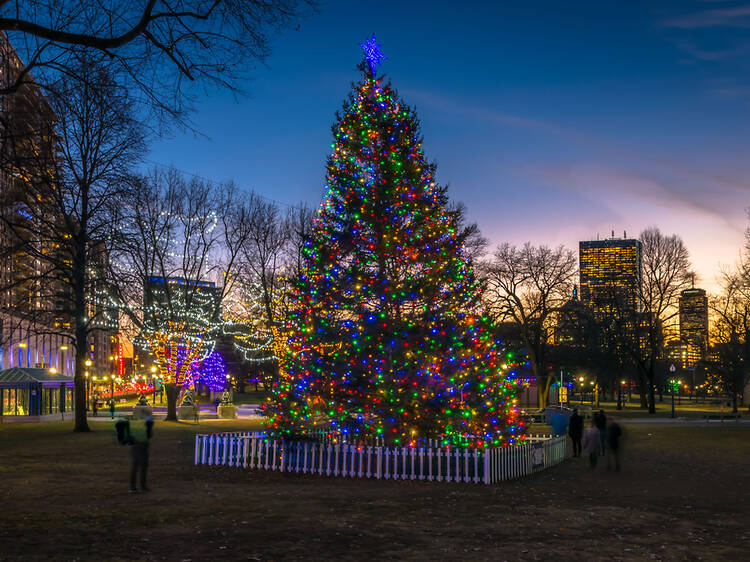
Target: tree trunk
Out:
[81,318]
[651,398]
[642,395]
[79,380]
[543,382]
[542,393]
[172,391]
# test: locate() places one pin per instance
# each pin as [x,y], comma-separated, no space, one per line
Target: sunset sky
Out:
[552,121]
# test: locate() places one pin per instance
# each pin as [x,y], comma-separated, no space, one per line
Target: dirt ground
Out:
[683,494]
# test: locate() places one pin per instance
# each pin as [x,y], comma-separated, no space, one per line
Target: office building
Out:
[693,309]
[610,276]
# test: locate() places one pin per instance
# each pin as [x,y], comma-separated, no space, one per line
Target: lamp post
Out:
[153,382]
[671,383]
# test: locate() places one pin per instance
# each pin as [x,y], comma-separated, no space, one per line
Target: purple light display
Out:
[213,372]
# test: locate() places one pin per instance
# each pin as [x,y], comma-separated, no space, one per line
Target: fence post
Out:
[378,462]
[456,456]
[476,466]
[430,477]
[467,478]
[197,448]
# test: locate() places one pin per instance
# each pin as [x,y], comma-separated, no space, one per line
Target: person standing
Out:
[600,420]
[94,406]
[112,408]
[559,423]
[575,430]
[196,411]
[140,436]
[591,443]
[614,435]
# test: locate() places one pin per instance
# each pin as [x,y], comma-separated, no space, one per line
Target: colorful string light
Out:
[212,372]
[388,337]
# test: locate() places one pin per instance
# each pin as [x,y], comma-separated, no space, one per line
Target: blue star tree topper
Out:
[373,56]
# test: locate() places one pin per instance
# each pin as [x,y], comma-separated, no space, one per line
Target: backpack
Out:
[124,436]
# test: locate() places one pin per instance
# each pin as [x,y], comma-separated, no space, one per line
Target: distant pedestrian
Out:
[592,443]
[140,436]
[559,423]
[575,430]
[600,420]
[112,408]
[196,411]
[94,407]
[614,436]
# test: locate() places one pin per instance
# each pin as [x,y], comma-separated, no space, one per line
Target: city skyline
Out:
[613,117]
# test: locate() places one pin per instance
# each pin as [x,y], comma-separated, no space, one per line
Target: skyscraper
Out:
[693,306]
[610,272]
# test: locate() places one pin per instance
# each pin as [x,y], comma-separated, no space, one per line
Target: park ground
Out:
[683,494]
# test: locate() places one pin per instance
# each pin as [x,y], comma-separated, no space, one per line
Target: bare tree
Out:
[270,259]
[731,334]
[156,46]
[177,245]
[640,331]
[529,286]
[57,217]
[730,362]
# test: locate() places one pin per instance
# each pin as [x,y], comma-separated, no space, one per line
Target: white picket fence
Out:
[254,451]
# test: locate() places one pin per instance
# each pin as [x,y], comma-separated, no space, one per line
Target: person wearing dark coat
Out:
[614,435]
[575,430]
[141,434]
[600,420]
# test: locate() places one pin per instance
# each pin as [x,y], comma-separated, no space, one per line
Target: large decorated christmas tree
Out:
[388,338]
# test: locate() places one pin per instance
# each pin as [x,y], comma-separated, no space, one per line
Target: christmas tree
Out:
[388,335]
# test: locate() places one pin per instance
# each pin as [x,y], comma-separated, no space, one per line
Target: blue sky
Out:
[552,121]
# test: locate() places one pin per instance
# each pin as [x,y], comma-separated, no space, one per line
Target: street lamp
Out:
[619,395]
[153,382]
[671,383]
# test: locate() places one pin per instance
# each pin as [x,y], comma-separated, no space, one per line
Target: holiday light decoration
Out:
[180,324]
[212,372]
[388,337]
[373,56]
[246,320]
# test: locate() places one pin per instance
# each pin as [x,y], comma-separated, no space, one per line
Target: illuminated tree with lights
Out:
[390,339]
[255,328]
[181,322]
[212,372]
[174,261]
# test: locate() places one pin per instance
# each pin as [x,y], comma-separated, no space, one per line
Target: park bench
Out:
[536,417]
[722,417]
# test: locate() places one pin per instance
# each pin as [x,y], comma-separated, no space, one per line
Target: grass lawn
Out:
[683,494]
[685,409]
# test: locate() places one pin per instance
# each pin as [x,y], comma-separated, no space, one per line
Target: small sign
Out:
[563,394]
[537,455]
